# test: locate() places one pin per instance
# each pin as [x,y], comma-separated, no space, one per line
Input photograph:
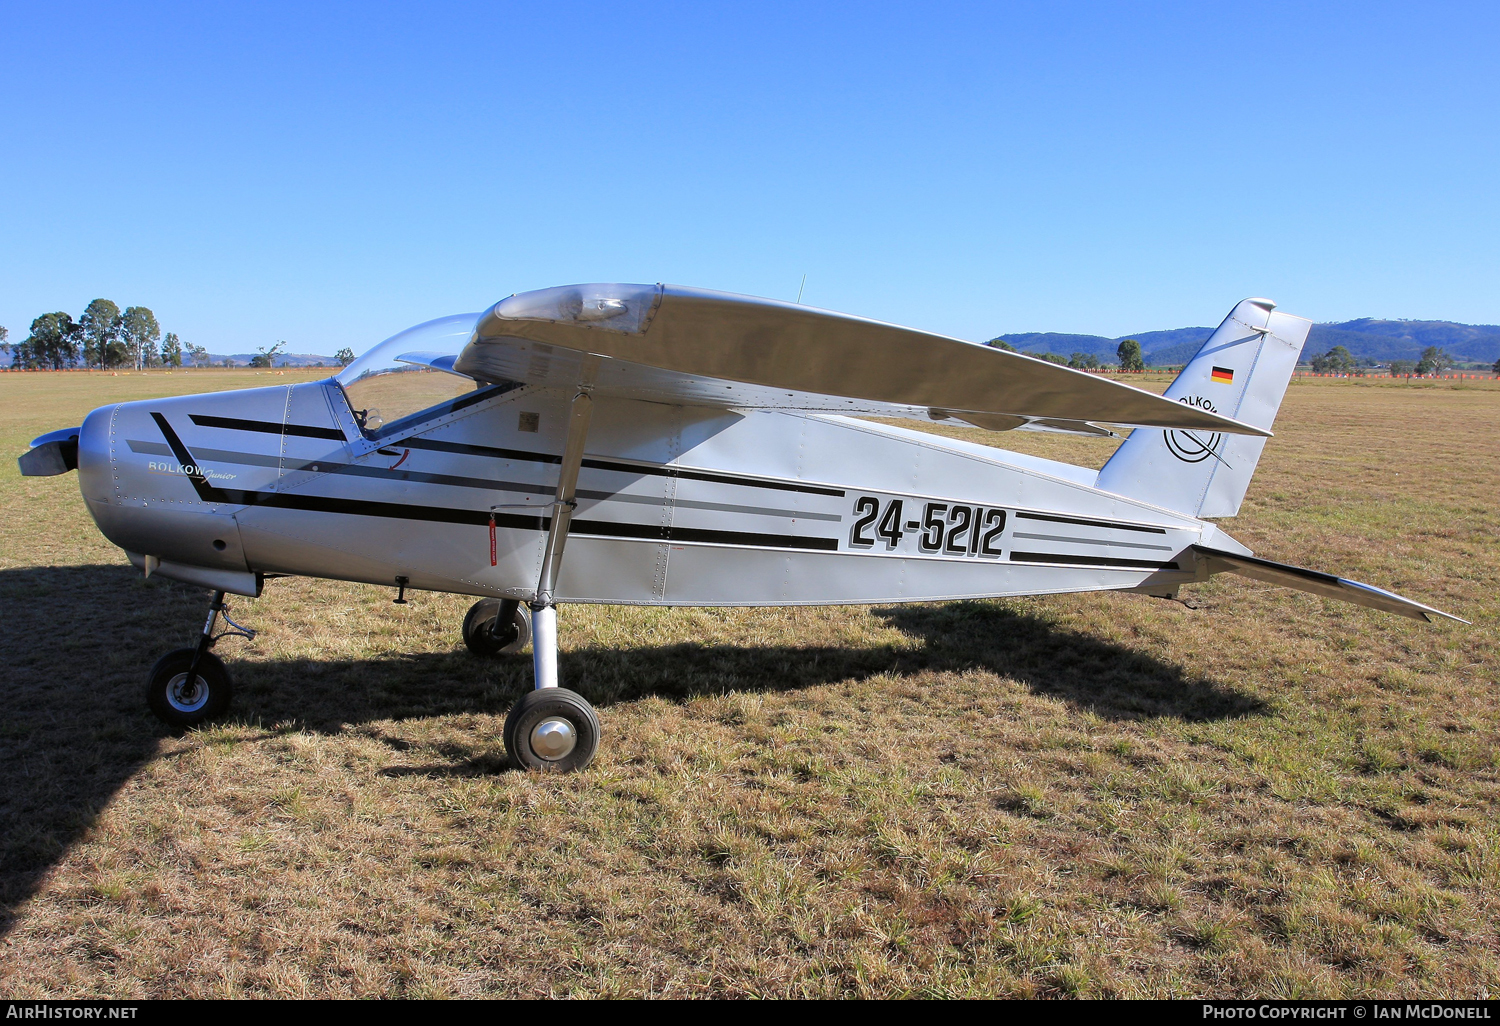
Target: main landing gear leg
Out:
[551,728]
[191,685]
[544,646]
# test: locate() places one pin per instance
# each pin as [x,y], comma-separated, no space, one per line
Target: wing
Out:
[667,343]
[1318,583]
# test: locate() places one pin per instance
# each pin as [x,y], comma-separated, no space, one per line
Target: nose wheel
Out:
[190,686]
[183,696]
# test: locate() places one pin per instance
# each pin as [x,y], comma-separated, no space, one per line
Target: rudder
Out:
[1242,372]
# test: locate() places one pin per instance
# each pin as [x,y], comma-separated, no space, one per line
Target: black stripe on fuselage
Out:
[481,518]
[646,470]
[323,466]
[1056,519]
[267,427]
[441,514]
[1107,562]
[520,455]
[206,491]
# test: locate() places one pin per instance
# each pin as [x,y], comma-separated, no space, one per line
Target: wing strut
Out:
[543,612]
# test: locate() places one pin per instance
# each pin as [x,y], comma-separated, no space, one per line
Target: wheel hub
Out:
[553,738]
[187,696]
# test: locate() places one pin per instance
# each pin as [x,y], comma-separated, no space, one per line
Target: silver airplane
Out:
[687,448]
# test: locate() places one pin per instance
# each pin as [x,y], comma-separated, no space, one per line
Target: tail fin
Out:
[1242,372]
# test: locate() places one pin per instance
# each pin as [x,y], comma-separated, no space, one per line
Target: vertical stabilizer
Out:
[1241,372]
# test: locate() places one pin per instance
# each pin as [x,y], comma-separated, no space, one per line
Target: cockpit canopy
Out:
[410,372]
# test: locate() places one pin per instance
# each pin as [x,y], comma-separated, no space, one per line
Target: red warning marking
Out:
[404,453]
[492,539]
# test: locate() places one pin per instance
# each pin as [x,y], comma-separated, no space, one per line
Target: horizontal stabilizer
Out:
[667,343]
[1317,583]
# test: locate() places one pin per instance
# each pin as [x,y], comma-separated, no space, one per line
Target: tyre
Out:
[496,627]
[178,702]
[552,730]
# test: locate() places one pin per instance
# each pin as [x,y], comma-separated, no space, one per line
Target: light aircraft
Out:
[686,448]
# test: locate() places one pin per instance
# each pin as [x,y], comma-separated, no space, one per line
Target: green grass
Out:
[1101,795]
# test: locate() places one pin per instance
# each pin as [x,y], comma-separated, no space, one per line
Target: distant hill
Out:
[1365,338]
[282,359]
[1159,347]
[1405,340]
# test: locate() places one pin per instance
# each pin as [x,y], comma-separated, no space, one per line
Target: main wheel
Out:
[179,702]
[496,626]
[553,730]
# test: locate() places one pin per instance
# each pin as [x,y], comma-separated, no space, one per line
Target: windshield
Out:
[408,373]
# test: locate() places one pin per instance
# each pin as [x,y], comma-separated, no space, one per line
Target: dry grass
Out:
[1095,795]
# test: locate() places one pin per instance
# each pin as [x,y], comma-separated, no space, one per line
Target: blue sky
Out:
[328,174]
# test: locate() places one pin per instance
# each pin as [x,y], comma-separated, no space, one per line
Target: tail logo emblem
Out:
[1222,375]
[1189,448]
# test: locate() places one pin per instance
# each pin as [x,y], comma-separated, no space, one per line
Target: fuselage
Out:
[676,505]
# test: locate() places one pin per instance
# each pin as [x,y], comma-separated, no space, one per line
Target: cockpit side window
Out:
[381,401]
[371,419]
[408,377]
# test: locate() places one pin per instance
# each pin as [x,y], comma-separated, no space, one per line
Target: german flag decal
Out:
[1223,374]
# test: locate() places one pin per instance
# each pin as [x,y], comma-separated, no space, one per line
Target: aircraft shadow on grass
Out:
[76,643]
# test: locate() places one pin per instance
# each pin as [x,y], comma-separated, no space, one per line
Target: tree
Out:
[1130,356]
[100,325]
[267,357]
[4,345]
[1050,357]
[1399,368]
[345,356]
[1083,361]
[1433,361]
[138,333]
[1336,361]
[998,343]
[53,342]
[1496,368]
[196,354]
[171,350]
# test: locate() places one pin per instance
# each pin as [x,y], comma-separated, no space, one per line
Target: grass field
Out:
[1102,795]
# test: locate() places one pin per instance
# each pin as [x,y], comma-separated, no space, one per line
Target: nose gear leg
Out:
[191,685]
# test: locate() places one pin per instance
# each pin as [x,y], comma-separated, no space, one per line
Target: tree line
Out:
[1128,352]
[1434,360]
[1338,360]
[103,336]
